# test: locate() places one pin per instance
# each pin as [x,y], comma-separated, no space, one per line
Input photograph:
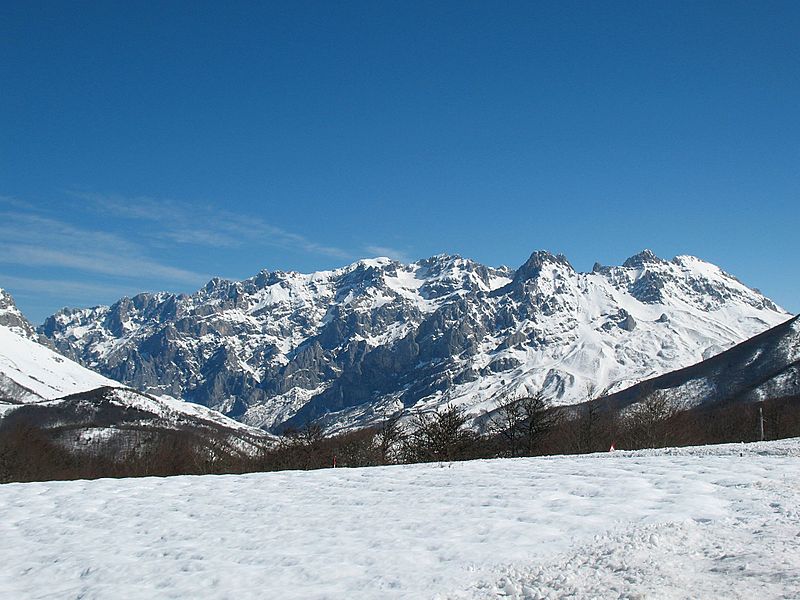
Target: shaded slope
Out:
[122,423]
[763,367]
[84,412]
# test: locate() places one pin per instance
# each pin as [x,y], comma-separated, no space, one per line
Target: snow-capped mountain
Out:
[47,390]
[12,318]
[763,367]
[348,346]
[29,372]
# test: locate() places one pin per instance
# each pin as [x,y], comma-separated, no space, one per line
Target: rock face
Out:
[345,347]
[84,411]
[13,319]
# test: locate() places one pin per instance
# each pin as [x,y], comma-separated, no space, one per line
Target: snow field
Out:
[709,523]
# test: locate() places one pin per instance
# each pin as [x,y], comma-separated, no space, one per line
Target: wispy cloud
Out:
[204,225]
[16,203]
[98,261]
[392,253]
[32,240]
[68,290]
[97,247]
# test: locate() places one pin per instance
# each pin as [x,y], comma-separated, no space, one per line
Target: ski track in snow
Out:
[712,522]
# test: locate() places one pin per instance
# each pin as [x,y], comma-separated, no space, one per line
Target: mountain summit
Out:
[348,346]
[12,318]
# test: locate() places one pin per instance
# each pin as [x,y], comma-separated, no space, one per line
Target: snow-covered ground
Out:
[721,522]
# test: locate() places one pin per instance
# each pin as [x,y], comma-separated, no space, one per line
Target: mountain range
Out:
[350,346]
[83,411]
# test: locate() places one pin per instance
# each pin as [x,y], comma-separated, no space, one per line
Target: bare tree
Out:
[506,424]
[646,422]
[354,449]
[310,434]
[439,435]
[521,423]
[538,418]
[586,427]
[388,438]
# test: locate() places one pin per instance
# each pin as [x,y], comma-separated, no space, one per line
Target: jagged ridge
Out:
[347,346]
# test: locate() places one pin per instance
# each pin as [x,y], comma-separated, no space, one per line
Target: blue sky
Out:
[147,147]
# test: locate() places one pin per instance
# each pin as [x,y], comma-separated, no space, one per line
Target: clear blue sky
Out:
[149,147]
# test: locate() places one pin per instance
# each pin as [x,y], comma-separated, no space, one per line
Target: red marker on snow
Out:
[612,447]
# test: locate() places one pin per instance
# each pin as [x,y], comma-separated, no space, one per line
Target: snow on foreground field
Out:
[709,522]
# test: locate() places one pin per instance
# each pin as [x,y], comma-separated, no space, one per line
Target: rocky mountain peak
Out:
[11,317]
[215,284]
[538,261]
[533,268]
[642,259]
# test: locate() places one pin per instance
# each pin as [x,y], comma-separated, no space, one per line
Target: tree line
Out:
[517,427]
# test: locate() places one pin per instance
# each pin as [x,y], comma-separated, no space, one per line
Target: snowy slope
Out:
[707,523]
[33,374]
[42,372]
[347,346]
[763,367]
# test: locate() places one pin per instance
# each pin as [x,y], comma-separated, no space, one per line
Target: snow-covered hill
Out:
[30,372]
[711,522]
[766,366]
[49,391]
[348,346]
